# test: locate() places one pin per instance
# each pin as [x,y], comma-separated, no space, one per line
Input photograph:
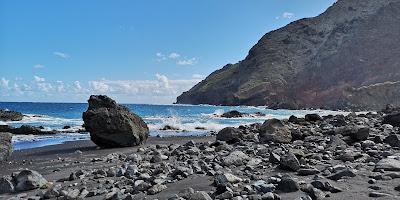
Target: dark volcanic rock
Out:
[393,140]
[29,180]
[8,115]
[388,164]
[5,145]
[392,119]
[287,184]
[112,125]
[6,185]
[289,162]
[29,130]
[274,130]
[308,64]
[312,117]
[360,134]
[232,114]
[229,135]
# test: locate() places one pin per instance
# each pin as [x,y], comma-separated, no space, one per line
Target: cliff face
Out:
[334,60]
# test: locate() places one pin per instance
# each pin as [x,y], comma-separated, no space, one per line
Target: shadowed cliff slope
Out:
[344,58]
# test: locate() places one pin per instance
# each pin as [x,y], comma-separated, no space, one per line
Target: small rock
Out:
[287,184]
[156,189]
[223,179]
[342,173]
[6,185]
[388,164]
[201,195]
[393,140]
[312,117]
[236,158]
[290,162]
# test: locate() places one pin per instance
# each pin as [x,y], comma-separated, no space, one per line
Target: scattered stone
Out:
[361,133]
[263,187]
[229,134]
[341,174]
[307,172]
[273,130]
[29,180]
[6,185]
[312,117]
[169,128]
[393,140]
[289,162]
[392,119]
[288,184]
[201,195]
[236,158]
[156,189]
[388,164]
[223,179]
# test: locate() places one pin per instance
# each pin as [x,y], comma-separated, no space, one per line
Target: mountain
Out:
[347,57]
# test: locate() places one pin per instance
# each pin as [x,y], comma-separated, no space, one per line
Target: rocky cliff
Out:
[347,57]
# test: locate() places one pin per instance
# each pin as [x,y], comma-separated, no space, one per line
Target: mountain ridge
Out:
[318,62]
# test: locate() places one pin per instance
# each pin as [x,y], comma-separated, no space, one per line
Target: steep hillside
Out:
[335,60]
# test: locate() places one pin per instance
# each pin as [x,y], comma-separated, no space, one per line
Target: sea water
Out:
[191,120]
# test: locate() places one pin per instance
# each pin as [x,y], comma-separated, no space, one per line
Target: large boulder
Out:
[9,115]
[5,145]
[29,180]
[392,119]
[230,135]
[274,130]
[112,125]
[393,140]
[388,164]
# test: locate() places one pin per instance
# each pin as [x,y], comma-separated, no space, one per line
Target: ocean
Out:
[188,118]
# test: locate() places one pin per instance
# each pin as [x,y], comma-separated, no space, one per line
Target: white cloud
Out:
[60,86]
[161,57]
[288,15]
[191,61]
[38,79]
[99,87]
[174,55]
[38,66]
[61,54]
[42,85]
[4,83]
[160,90]
[77,86]
[163,80]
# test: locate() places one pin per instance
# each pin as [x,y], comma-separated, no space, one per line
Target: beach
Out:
[56,162]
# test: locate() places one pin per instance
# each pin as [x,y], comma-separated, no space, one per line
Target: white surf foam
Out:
[46,120]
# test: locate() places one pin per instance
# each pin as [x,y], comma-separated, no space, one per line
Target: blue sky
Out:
[139,51]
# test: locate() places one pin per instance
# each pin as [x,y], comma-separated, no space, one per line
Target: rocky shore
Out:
[331,157]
